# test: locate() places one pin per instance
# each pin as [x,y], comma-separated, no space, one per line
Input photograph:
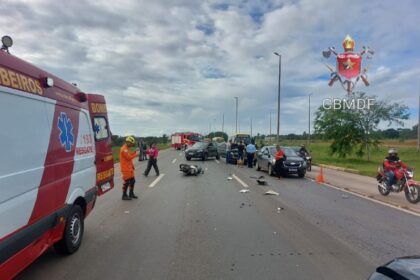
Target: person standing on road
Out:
[127,167]
[144,151]
[153,153]
[392,165]
[280,156]
[141,150]
[250,152]
[241,149]
[228,153]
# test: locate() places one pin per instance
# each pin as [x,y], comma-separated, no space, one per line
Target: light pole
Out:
[309,119]
[236,130]
[251,127]
[270,123]
[278,100]
[223,122]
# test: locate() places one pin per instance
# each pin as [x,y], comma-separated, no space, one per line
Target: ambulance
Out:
[55,159]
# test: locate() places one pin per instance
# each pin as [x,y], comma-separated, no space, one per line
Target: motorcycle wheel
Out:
[383,191]
[413,197]
[309,167]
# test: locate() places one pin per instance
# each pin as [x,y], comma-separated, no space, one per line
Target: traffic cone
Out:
[320,177]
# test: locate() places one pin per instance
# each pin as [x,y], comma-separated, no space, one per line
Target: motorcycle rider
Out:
[392,165]
[303,152]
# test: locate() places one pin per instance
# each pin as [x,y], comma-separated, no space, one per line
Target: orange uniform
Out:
[126,162]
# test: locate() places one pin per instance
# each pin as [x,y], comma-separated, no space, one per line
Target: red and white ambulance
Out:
[55,159]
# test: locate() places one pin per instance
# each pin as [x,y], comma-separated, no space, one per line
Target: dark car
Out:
[293,163]
[202,150]
[401,268]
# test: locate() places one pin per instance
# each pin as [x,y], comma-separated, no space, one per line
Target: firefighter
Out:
[127,167]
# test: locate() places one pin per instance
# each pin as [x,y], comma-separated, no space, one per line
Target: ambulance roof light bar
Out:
[7,43]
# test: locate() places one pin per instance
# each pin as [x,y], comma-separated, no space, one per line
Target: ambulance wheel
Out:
[73,232]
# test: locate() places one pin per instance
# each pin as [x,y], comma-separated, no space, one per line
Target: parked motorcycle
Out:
[411,188]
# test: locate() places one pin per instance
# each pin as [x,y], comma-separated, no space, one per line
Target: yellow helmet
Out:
[130,139]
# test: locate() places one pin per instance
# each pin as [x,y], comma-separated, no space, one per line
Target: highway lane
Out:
[203,228]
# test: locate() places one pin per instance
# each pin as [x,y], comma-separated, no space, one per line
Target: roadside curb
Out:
[405,209]
[349,170]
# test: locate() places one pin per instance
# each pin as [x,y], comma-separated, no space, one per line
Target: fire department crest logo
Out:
[348,70]
[66,131]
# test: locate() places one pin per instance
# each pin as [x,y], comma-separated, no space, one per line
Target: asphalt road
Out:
[204,228]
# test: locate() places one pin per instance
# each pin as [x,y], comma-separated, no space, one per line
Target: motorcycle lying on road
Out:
[411,188]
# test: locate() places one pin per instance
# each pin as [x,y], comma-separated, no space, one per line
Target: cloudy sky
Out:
[168,66]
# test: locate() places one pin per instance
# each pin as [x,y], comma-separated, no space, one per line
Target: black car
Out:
[293,164]
[202,150]
[400,268]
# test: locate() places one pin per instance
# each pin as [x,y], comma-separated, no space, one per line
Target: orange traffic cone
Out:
[320,177]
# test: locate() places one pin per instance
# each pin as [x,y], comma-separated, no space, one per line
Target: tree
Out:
[164,138]
[217,134]
[354,128]
[391,133]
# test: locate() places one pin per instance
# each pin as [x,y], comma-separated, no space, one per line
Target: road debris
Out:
[345,196]
[244,191]
[279,209]
[229,178]
[127,212]
[271,192]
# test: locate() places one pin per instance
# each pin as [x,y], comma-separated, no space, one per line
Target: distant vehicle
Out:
[404,268]
[307,157]
[56,160]
[218,139]
[293,164]
[180,140]
[237,138]
[202,150]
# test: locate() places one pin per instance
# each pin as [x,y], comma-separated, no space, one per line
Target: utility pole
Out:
[270,123]
[251,127]
[223,123]
[309,120]
[236,130]
[278,99]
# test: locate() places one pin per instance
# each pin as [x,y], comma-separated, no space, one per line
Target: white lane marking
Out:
[156,180]
[217,161]
[174,160]
[240,181]
[370,199]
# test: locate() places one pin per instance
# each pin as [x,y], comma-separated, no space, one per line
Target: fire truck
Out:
[56,158]
[183,139]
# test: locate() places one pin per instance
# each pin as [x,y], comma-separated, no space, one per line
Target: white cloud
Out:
[165,67]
